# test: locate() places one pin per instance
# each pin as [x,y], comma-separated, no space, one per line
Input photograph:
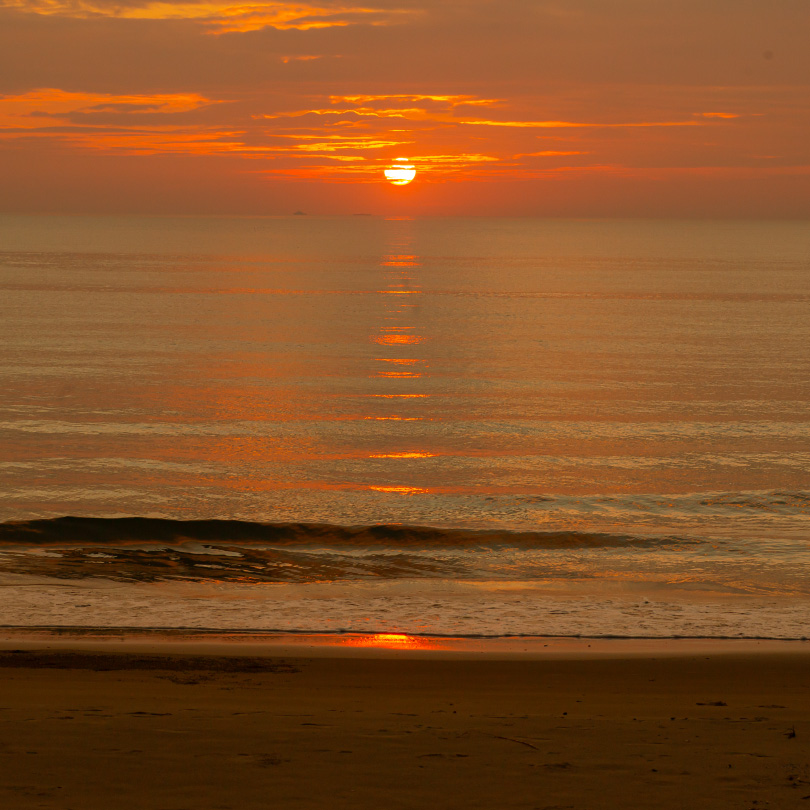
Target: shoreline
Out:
[227,643]
[416,607]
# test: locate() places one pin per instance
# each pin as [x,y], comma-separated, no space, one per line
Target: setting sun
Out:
[400,172]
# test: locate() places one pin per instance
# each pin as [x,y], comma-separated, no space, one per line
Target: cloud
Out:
[578,124]
[27,109]
[334,143]
[471,91]
[340,142]
[220,16]
[449,100]
[551,153]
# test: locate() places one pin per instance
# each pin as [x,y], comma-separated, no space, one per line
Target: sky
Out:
[583,108]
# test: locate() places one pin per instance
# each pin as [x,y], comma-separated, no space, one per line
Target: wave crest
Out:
[83,531]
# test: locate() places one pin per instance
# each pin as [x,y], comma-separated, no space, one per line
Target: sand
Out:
[160,728]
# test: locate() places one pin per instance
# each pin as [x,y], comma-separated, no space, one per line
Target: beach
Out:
[574,724]
[312,512]
[404,406]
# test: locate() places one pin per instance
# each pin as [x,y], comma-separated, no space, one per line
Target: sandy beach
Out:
[174,727]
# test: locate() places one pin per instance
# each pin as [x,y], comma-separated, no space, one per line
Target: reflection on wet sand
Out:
[395,641]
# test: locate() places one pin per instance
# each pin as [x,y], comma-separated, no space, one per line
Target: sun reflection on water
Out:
[402,455]
[400,490]
[398,363]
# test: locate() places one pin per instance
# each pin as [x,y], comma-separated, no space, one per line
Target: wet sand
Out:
[172,727]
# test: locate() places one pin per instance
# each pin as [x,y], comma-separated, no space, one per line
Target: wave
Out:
[785,503]
[773,501]
[84,531]
[139,549]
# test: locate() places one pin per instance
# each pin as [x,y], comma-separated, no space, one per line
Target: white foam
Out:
[405,606]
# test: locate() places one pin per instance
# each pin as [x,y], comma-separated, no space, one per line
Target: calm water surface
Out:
[631,394]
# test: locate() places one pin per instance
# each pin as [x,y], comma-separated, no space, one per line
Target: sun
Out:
[400,172]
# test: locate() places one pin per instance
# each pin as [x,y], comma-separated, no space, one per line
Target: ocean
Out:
[440,426]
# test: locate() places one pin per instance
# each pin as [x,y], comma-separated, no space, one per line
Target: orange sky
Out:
[518,107]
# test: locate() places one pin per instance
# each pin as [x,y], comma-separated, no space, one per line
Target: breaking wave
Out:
[151,549]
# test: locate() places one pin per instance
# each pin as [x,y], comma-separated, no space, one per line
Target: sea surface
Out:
[420,426]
